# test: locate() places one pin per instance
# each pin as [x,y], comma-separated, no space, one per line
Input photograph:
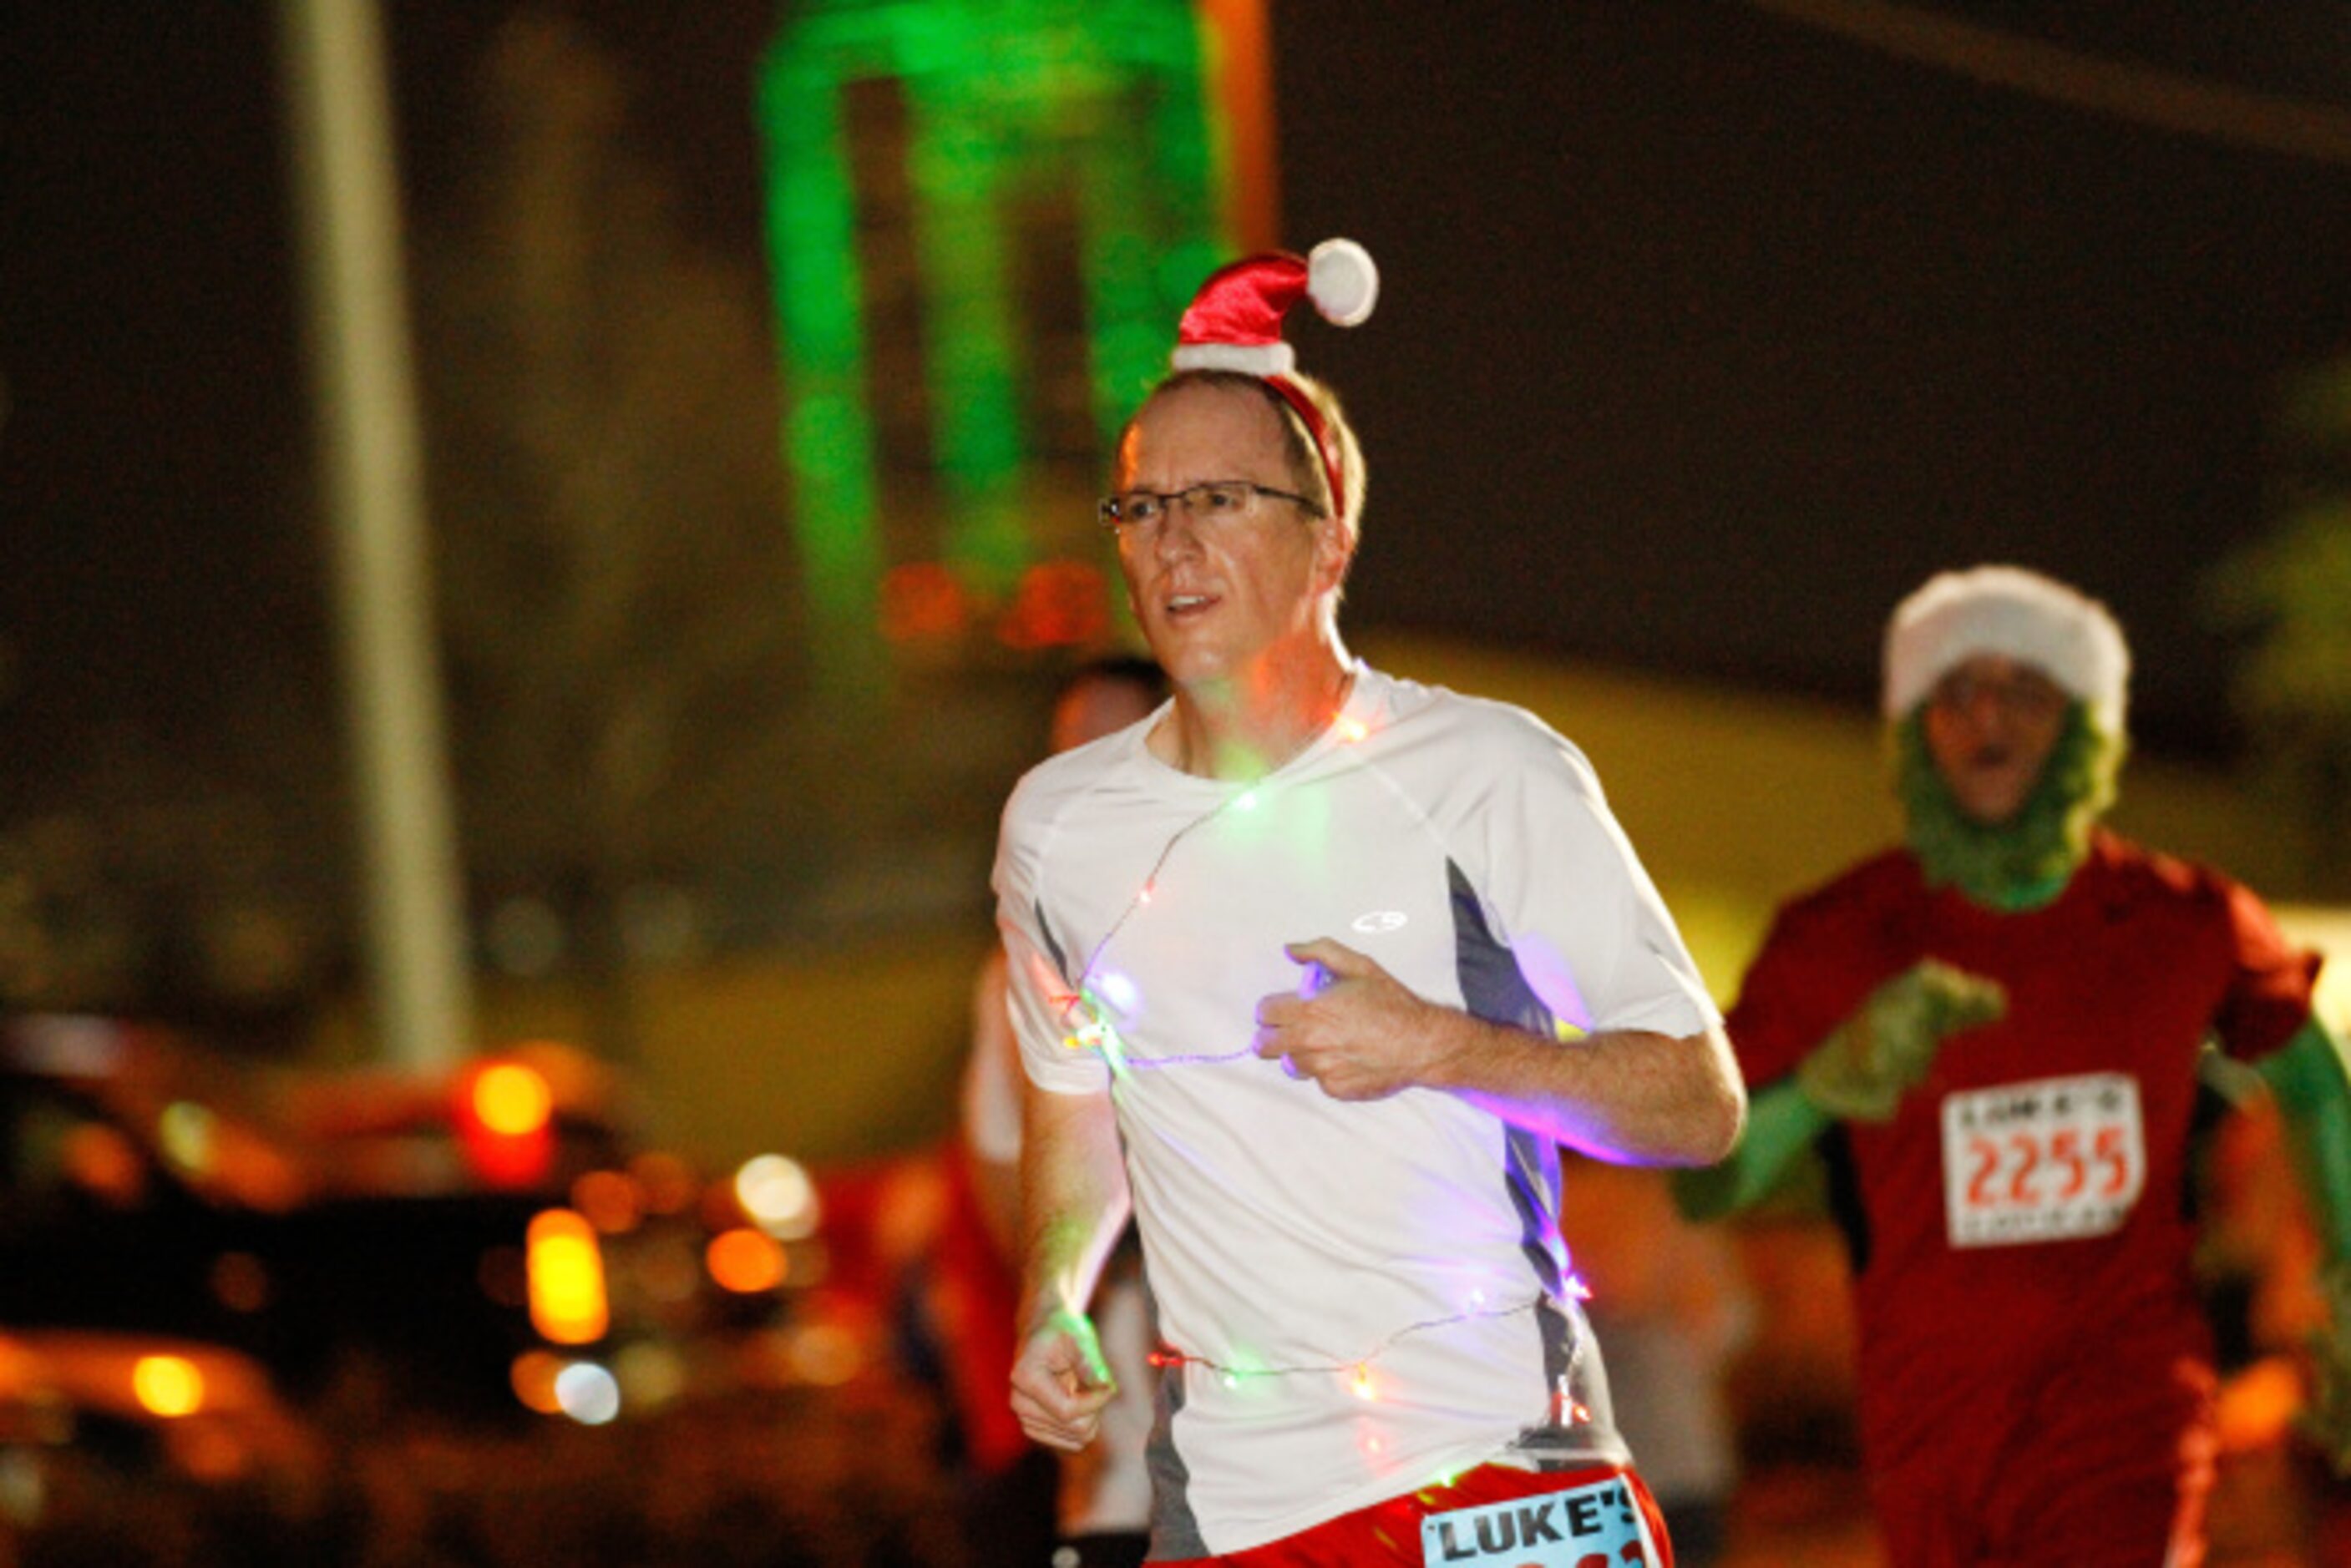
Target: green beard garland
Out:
[2024,862]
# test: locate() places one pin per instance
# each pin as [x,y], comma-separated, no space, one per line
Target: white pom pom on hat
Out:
[2017,614]
[1342,281]
[1234,320]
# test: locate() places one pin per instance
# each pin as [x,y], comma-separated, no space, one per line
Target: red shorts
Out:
[1390,1531]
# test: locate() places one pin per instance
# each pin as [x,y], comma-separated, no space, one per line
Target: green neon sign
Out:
[991,112]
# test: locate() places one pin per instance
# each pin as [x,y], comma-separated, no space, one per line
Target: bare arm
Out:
[992,1087]
[1626,1096]
[1074,1201]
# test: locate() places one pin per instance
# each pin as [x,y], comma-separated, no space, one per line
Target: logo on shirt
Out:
[1377,921]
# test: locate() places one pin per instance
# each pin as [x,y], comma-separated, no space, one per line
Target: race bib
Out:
[2044,1161]
[1594,1526]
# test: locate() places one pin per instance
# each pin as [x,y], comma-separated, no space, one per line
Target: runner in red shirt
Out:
[1995,1032]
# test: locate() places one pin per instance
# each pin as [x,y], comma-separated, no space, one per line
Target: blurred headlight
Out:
[167,1386]
[568,1303]
[777,1195]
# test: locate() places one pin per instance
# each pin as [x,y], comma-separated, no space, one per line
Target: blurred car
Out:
[529,1120]
[131,1198]
[480,1240]
[144,1188]
[143,1403]
[682,1268]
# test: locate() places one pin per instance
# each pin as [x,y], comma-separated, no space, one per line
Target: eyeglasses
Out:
[1145,511]
[2026,694]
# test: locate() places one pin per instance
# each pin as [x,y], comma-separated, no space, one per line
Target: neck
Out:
[1242,727]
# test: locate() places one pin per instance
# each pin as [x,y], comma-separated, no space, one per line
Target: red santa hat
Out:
[2016,614]
[1234,324]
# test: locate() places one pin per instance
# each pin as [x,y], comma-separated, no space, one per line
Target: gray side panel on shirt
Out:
[1493,988]
[1175,1532]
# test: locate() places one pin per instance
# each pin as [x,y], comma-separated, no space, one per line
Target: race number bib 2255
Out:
[2042,1161]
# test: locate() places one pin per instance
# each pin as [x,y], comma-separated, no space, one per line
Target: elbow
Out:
[1724,1122]
[1717,1106]
[1734,1119]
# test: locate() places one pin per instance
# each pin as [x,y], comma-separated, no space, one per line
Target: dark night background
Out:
[1705,334]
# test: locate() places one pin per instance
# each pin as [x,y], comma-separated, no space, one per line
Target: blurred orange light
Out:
[167,1386]
[666,1180]
[101,1161]
[505,1114]
[211,1453]
[744,1261]
[512,1099]
[568,1303]
[922,600]
[533,1377]
[610,1199]
[2258,1404]
[825,1355]
[1057,604]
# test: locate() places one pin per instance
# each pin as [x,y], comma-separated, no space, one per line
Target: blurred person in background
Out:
[1312,974]
[1671,1302]
[1994,1032]
[1103,1510]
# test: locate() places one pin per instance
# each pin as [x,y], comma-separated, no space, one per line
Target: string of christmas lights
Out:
[1095,1031]
[1096,1034]
[1358,1372]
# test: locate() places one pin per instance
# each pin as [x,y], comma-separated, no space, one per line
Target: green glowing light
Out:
[1096,107]
[186,1130]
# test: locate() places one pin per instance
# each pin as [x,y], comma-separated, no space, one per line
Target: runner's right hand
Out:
[1061,1382]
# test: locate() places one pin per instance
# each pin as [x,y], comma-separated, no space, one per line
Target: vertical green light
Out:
[828,435]
[963,171]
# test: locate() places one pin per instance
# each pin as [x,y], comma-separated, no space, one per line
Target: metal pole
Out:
[347,198]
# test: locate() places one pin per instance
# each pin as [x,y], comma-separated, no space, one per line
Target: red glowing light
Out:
[922,602]
[1059,603]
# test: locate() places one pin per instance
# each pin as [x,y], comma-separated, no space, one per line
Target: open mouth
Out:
[1180,606]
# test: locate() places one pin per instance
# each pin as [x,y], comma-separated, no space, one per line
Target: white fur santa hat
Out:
[1234,323]
[2016,614]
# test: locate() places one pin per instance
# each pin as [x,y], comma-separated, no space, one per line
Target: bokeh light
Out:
[167,1386]
[777,1195]
[567,1278]
[610,1200]
[187,1132]
[587,1394]
[512,1099]
[532,1377]
[744,1261]
[651,1375]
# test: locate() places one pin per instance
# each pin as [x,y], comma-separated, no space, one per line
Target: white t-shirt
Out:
[1364,1295]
